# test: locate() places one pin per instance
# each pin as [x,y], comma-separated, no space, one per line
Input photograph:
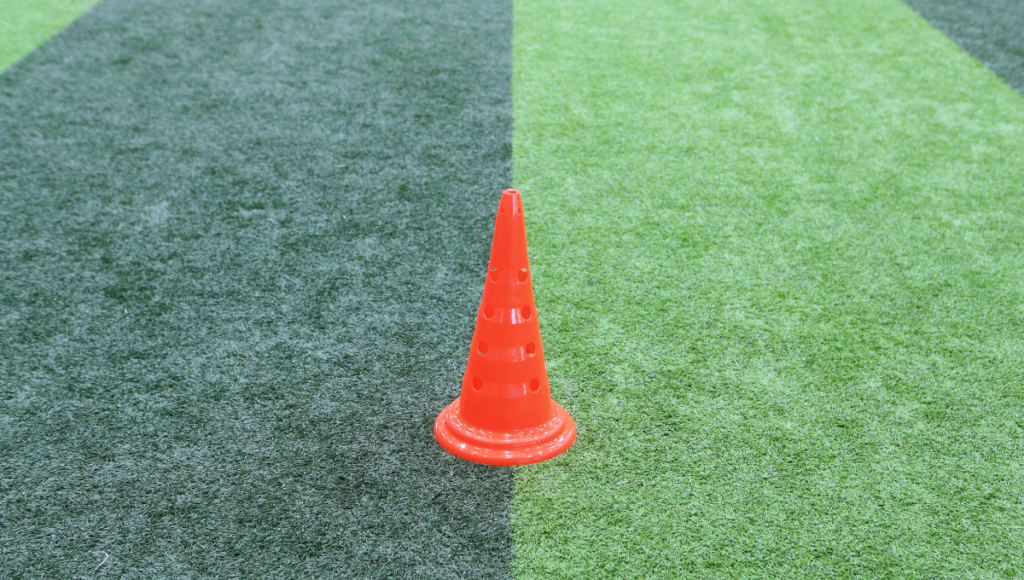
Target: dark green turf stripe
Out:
[242,245]
[991,30]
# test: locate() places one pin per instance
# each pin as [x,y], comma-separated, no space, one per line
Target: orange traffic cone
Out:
[505,415]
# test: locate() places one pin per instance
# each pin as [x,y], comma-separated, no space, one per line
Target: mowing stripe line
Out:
[26,24]
[991,30]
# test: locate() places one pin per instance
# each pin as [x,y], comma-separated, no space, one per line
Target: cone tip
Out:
[511,204]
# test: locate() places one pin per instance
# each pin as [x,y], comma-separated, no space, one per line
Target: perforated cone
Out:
[505,415]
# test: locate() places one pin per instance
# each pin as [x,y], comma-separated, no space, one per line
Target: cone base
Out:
[531,445]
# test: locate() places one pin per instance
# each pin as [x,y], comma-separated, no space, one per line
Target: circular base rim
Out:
[520,447]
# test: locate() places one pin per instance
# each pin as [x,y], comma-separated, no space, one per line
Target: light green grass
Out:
[25,24]
[779,253]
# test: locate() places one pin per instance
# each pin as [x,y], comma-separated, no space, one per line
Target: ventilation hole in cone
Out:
[521,276]
[494,275]
[488,312]
[482,348]
[534,385]
[531,349]
[478,383]
[527,312]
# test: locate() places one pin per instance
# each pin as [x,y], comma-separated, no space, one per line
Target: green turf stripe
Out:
[241,248]
[991,30]
[25,24]
[778,249]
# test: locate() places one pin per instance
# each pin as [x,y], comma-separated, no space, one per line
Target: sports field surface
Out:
[777,250]
[25,24]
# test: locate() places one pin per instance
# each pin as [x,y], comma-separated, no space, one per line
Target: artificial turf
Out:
[241,248]
[25,24]
[991,30]
[777,249]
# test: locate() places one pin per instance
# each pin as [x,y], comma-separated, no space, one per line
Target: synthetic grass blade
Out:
[779,249]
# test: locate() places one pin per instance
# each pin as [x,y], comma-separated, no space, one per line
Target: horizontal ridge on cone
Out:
[518,314]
